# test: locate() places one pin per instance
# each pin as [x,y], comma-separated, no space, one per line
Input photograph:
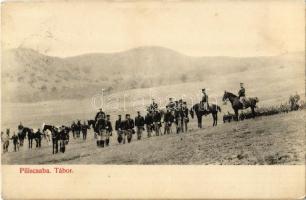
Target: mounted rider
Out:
[171,105]
[204,101]
[241,95]
[100,113]
[153,107]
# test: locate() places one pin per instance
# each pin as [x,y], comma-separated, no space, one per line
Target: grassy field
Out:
[278,139]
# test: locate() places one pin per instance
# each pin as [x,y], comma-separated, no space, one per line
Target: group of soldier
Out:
[176,113]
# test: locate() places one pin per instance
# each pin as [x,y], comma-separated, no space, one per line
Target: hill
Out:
[28,76]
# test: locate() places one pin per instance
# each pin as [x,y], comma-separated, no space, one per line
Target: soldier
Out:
[204,101]
[149,123]
[118,128]
[30,138]
[38,137]
[157,122]
[128,128]
[139,123]
[241,95]
[168,120]
[6,140]
[15,142]
[84,128]
[100,113]
[100,124]
[78,129]
[109,130]
[185,113]
[73,129]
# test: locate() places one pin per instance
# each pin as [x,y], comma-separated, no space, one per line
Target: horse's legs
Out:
[236,115]
[253,111]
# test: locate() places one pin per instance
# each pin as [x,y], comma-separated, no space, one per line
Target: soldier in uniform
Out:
[185,113]
[109,130]
[84,128]
[149,123]
[15,142]
[78,128]
[241,95]
[204,100]
[139,123]
[168,120]
[30,138]
[157,122]
[100,124]
[128,128]
[118,128]
[73,129]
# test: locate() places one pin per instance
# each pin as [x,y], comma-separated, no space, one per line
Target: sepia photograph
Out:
[153,83]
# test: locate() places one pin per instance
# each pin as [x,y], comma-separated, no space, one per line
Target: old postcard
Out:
[153,99]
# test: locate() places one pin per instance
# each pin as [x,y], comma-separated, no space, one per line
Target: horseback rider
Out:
[171,104]
[241,95]
[153,106]
[204,101]
[100,113]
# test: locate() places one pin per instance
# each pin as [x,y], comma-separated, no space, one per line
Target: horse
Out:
[237,105]
[22,133]
[212,108]
[55,136]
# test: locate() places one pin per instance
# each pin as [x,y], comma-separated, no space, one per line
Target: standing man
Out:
[100,124]
[185,112]
[73,129]
[241,95]
[109,130]
[15,142]
[84,128]
[204,100]
[149,123]
[30,138]
[128,128]
[118,128]
[139,123]
[168,120]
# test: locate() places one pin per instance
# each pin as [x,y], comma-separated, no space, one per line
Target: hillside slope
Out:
[278,139]
[28,76]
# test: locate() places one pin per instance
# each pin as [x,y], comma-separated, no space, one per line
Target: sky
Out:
[195,28]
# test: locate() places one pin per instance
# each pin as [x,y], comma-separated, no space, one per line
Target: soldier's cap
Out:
[241,83]
[100,109]
[203,89]
[119,115]
[180,100]
[138,112]
[107,115]
[127,115]
[184,102]
[170,98]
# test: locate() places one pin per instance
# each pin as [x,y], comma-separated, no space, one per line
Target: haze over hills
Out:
[28,76]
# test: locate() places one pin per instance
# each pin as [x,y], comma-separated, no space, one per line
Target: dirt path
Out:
[278,139]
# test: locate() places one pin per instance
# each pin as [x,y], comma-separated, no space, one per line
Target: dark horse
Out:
[198,109]
[22,133]
[237,105]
